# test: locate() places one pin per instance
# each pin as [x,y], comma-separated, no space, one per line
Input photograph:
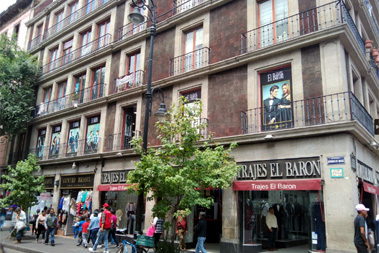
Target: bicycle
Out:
[135,248]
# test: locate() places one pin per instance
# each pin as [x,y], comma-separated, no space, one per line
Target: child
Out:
[85,232]
[76,227]
[80,225]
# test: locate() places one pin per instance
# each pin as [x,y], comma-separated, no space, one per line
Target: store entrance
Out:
[299,215]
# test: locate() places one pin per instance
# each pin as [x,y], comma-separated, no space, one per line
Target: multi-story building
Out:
[12,23]
[294,83]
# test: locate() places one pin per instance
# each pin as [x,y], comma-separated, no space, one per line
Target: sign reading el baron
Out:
[281,169]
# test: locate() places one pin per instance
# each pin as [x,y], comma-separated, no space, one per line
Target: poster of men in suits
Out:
[276,97]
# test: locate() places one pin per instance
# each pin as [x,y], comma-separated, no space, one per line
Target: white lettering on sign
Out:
[117,188]
[259,187]
[371,189]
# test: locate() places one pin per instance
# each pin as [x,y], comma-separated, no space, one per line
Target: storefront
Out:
[294,188]
[75,199]
[114,191]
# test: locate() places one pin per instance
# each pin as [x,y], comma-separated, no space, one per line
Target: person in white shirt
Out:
[20,224]
[272,225]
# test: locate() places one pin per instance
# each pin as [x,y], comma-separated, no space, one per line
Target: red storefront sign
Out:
[370,188]
[277,185]
[113,187]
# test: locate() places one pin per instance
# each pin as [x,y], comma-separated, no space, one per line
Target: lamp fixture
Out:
[56,183]
[374,144]
[136,17]
[74,166]
[119,154]
[269,137]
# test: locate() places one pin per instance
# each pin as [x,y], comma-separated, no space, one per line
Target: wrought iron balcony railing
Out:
[128,81]
[303,23]
[89,7]
[71,100]
[85,50]
[323,110]
[120,141]
[184,5]
[34,42]
[130,29]
[190,61]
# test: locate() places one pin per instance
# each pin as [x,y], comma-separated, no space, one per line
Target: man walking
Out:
[360,239]
[105,227]
[272,224]
[20,224]
[51,224]
[201,229]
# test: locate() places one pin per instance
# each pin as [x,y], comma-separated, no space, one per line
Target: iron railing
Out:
[373,65]
[126,82]
[89,7]
[303,23]
[190,61]
[321,110]
[34,42]
[203,131]
[87,49]
[120,141]
[53,106]
[184,5]
[39,152]
[130,29]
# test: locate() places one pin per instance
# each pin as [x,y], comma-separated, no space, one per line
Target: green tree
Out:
[177,172]
[24,186]
[18,76]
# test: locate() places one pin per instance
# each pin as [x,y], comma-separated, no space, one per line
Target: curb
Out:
[15,247]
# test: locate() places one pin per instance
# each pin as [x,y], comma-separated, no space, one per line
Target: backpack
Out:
[107,223]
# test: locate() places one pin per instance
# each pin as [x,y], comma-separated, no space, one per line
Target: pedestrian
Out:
[360,239]
[201,230]
[105,227]
[51,224]
[20,224]
[114,226]
[76,227]
[3,212]
[158,223]
[33,222]
[181,230]
[85,233]
[80,227]
[94,227]
[41,226]
[272,224]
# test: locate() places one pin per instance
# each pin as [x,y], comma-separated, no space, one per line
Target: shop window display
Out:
[299,214]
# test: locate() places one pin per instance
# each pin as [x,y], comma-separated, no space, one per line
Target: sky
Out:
[5,4]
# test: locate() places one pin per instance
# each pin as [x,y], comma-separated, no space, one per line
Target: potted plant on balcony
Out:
[374,52]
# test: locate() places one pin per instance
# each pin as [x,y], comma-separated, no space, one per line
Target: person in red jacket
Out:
[85,232]
[105,227]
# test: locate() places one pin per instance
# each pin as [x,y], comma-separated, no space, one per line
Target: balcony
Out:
[180,6]
[34,42]
[301,24]
[120,141]
[79,53]
[190,61]
[73,148]
[323,110]
[127,82]
[71,100]
[129,30]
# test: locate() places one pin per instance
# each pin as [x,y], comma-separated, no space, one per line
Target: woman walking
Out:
[40,224]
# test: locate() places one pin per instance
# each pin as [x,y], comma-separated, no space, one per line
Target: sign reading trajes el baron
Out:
[284,174]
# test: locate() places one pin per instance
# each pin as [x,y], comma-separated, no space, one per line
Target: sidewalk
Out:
[62,245]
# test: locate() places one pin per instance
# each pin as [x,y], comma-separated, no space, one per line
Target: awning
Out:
[277,185]
[370,188]
[113,187]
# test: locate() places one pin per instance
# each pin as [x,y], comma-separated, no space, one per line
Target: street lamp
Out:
[137,18]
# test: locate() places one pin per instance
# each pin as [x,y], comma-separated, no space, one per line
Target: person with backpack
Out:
[105,227]
[181,230]
[51,224]
[158,223]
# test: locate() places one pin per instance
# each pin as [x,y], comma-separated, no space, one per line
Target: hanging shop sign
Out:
[370,188]
[77,181]
[365,172]
[112,187]
[49,182]
[114,177]
[291,168]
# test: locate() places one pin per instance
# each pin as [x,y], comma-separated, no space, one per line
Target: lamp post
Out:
[136,18]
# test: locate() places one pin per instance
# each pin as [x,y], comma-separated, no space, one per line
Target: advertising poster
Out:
[41,143]
[55,141]
[73,138]
[92,139]
[276,97]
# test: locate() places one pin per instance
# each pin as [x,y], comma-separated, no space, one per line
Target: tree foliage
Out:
[24,186]
[177,172]
[18,76]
